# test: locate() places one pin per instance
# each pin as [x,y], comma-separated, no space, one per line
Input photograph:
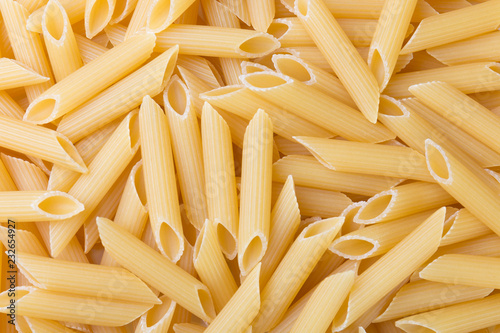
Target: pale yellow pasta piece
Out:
[98,13]
[368,158]
[116,101]
[89,50]
[190,15]
[463,226]
[216,41]
[402,201]
[14,74]
[255,193]
[63,307]
[288,147]
[392,269]
[202,68]
[421,60]
[6,182]
[307,171]
[123,8]
[329,113]
[9,107]
[104,170]
[211,266]
[139,18]
[388,38]
[238,8]
[27,46]
[74,8]
[188,328]
[162,13]
[480,314]
[78,87]
[25,241]
[463,269]
[280,291]
[60,41]
[171,280]
[457,179]
[324,303]
[261,13]
[187,150]
[220,182]
[285,220]
[455,25]
[341,55]
[44,325]
[468,78]
[290,32]
[461,110]
[158,318]
[161,188]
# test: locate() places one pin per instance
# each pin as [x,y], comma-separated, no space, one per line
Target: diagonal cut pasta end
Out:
[252,253]
[376,208]
[43,110]
[294,67]
[57,205]
[258,45]
[437,163]
[262,81]
[97,15]
[354,247]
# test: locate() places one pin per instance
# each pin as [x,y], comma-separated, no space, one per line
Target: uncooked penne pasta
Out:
[89,50]
[104,170]
[216,41]
[220,182]
[388,38]
[74,8]
[6,182]
[341,55]
[212,268]
[289,147]
[456,178]
[480,314]
[368,158]
[139,18]
[187,150]
[98,13]
[162,13]
[34,302]
[158,318]
[27,46]
[261,13]
[463,226]
[64,96]
[468,78]
[297,97]
[60,41]
[455,25]
[9,107]
[285,220]
[123,8]
[40,271]
[171,280]
[117,100]
[14,74]
[32,206]
[420,296]
[202,68]
[395,266]
[26,241]
[307,171]
[44,325]
[401,201]
[255,193]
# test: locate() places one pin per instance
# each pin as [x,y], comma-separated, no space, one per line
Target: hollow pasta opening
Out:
[389,108]
[41,110]
[258,45]
[177,97]
[252,253]
[293,68]
[437,162]
[278,29]
[355,247]
[375,207]
[226,239]
[98,16]
[158,311]
[159,14]
[59,205]
[263,80]
[169,241]
[54,20]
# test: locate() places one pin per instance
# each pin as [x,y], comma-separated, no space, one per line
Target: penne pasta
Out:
[396,265]
[421,60]
[388,38]
[452,26]
[480,314]
[261,14]
[341,54]
[104,170]
[122,10]
[74,8]
[216,41]
[88,49]
[33,206]
[60,41]
[27,46]
[468,78]
[33,302]
[255,193]
[190,15]
[443,98]
[6,182]
[117,100]
[26,241]
[281,289]
[138,21]
[244,103]
[40,271]
[307,171]
[43,325]
[456,177]
[64,97]
[325,301]
[285,220]
[187,150]
[474,49]
[9,107]
[329,113]
[158,318]
[462,269]
[288,147]
[401,201]
[98,13]
[368,158]
[14,74]
[220,183]
[210,264]
[188,328]
[202,68]
[161,188]
[171,280]
[162,13]
[463,226]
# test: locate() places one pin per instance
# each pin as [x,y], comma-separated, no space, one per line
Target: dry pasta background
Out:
[237,166]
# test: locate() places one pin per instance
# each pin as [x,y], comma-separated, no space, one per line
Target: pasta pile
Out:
[237,166]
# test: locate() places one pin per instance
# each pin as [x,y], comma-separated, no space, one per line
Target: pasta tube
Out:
[98,13]
[162,13]
[261,14]
[88,49]
[74,8]
[171,280]
[161,188]
[255,193]
[68,94]
[463,226]
[26,241]
[41,325]
[158,318]
[14,74]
